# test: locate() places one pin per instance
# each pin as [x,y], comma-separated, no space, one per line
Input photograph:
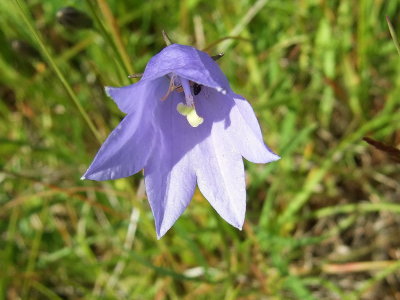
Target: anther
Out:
[190,113]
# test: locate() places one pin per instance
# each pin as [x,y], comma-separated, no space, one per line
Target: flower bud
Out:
[24,49]
[72,18]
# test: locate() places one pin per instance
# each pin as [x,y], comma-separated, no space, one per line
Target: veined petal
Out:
[189,63]
[138,96]
[169,175]
[218,164]
[246,135]
[240,124]
[126,150]
[198,134]
[220,177]
[169,189]
[248,115]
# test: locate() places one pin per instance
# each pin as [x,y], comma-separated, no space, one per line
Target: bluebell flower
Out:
[184,126]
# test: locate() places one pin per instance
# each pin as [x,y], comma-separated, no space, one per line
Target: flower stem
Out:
[115,33]
[29,23]
[393,34]
[113,38]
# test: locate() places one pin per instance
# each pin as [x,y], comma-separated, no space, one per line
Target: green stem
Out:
[393,34]
[125,66]
[29,23]
[115,34]
[351,208]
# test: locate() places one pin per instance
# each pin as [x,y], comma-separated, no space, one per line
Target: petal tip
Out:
[275,157]
[107,90]
[239,225]
[83,177]
[236,222]
[161,232]
[271,157]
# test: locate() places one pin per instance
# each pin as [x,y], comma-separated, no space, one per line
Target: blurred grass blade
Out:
[352,267]
[251,13]
[166,38]
[45,291]
[393,268]
[115,33]
[393,34]
[316,175]
[220,40]
[123,63]
[393,152]
[352,208]
[29,23]
[296,285]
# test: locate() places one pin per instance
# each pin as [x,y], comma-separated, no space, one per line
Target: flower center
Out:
[186,109]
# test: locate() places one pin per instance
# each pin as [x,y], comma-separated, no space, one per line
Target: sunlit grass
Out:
[322,223]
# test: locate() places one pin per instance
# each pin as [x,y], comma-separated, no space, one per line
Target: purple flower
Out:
[184,125]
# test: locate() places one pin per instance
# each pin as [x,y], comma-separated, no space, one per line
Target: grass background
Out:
[322,223]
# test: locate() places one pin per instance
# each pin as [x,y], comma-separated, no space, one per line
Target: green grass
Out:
[322,223]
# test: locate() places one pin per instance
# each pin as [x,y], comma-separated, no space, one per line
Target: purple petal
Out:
[169,189]
[220,177]
[169,175]
[189,63]
[134,97]
[246,133]
[175,155]
[211,152]
[239,124]
[217,162]
[125,151]
[248,115]
[127,148]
